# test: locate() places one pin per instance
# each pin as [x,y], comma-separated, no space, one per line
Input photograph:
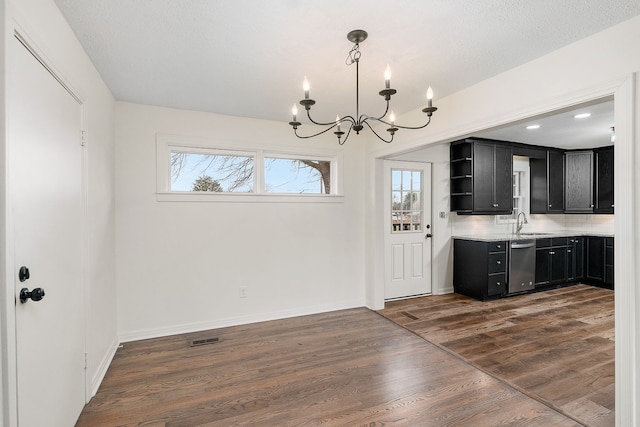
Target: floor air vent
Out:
[409,315]
[203,341]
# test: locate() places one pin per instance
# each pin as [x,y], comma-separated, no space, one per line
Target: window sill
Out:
[248,198]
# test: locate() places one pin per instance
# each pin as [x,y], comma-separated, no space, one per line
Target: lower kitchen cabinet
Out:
[551,261]
[480,268]
[595,259]
[575,258]
[608,262]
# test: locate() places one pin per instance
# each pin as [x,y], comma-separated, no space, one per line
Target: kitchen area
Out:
[528,216]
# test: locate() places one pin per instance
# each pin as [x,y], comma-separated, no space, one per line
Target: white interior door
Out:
[45,181]
[407,229]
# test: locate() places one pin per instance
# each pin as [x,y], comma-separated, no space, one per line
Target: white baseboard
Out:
[97,378]
[142,334]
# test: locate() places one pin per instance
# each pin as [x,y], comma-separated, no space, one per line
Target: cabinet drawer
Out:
[496,284]
[497,263]
[497,247]
[543,243]
[559,241]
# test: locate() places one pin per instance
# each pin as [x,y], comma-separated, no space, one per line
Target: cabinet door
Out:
[538,192]
[571,262]
[483,177]
[579,182]
[555,189]
[603,188]
[595,258]
[579,257]
[503,179]
[558,264]
[543,267]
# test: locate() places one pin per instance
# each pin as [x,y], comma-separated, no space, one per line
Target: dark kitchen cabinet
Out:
[608,262]
[599,261]
[603,185]
[556,181]
[595,259]
[547,183]
[481,177]
[480,268]
[575,258]
[579,181]
[551,261]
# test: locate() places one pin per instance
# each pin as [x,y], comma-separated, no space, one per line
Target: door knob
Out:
[36,294]
[429,235]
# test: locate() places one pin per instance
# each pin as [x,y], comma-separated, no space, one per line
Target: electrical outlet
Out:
[243,291]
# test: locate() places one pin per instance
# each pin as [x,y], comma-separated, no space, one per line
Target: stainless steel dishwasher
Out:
[522,266]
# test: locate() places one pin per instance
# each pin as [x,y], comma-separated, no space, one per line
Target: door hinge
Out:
[86,361]
[83,138]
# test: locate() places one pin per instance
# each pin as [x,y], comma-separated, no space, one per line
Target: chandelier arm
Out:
[341,142]
[295,131]
[376,133]
[406,127]
[344,119]
[364,117]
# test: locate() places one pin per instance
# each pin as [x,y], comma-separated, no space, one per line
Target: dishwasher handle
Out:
[523,245]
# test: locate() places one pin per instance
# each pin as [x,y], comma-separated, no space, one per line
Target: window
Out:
[193,170]
[406,200]
[209,171]
[297,175]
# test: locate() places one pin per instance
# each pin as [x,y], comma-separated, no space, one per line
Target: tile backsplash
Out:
[465,225]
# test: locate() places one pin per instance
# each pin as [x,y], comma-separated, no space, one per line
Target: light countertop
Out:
[497,237]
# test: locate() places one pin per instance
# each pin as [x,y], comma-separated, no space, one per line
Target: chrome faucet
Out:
[520,224]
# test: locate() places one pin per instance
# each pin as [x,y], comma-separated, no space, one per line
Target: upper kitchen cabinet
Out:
[579,181]
[547,183]
[603,185]
[481,177]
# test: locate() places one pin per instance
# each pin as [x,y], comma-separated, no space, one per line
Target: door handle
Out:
[428,236]
[36,294]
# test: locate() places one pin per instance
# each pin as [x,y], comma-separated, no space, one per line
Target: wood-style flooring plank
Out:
[556,346]
[346,368]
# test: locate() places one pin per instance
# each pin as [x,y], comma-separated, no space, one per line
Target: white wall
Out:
[181,264]
[589,69]
[42,23]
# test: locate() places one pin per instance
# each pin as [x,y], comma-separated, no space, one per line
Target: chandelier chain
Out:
[354,55]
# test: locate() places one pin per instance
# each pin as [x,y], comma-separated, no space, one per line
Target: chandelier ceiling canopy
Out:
[358,121]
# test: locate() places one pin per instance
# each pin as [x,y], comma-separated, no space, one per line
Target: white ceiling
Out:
[561,129]
[248,57]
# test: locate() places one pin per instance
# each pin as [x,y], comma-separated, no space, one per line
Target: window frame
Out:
[165,144]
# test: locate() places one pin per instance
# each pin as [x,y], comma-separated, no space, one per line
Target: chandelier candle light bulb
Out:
[387,77]
[358,122]
[305,87]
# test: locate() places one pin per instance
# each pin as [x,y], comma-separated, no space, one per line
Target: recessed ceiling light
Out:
[582,116]
[531,127]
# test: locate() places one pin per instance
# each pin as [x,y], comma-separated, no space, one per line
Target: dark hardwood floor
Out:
[345,368]
[555,346]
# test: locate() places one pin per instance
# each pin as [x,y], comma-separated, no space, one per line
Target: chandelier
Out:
[359,121]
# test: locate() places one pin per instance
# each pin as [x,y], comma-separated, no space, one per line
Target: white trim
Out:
[101,371]
[143,334]
[248,197]
[626,265]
